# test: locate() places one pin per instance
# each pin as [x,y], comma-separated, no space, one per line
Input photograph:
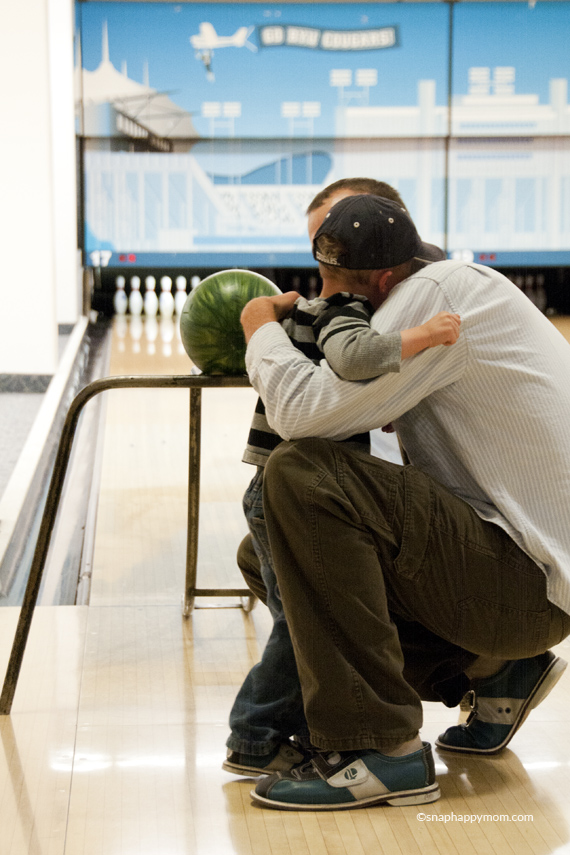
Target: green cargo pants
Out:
[391,586]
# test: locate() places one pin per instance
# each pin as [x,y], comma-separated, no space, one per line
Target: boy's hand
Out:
[264,310]
[443,328]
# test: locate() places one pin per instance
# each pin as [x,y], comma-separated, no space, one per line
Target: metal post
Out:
[195,384]
[193,499]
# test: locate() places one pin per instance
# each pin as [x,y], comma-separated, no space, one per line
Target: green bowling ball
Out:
[209,324]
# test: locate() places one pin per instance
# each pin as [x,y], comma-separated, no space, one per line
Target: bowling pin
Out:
[120,300]
[180,296]
[135,297]
[166,300]
[150,298]
[194,282]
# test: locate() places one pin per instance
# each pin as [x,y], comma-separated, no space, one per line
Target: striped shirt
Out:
[489,417]
[338,329]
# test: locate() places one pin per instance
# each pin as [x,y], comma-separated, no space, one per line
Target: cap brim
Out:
[430,252]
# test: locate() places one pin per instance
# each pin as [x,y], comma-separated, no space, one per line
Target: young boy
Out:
[337,328]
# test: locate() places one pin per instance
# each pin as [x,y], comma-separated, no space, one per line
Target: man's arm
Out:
[303,399]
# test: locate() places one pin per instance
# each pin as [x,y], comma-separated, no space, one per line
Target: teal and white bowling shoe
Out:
[340,780]
[501,703]
[282,758]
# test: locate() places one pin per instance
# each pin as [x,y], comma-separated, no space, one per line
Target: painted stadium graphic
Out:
[249,115]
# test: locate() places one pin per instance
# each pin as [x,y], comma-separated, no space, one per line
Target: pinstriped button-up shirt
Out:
[488,417]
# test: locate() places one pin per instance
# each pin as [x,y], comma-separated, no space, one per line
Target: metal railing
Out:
[195,383]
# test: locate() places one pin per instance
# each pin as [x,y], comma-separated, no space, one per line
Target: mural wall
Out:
[208,128]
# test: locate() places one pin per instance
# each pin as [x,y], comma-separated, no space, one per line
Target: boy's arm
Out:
[356,352]
[351,347]
[443,328]
[360,353]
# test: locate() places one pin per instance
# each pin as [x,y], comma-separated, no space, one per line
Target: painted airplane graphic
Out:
[207,40]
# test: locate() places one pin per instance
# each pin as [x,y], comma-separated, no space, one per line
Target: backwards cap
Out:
[376,234]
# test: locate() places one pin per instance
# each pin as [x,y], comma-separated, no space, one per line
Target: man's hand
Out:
[284,303]
[264,310]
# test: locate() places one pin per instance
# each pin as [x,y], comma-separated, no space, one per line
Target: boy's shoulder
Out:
[324,309]
[339,300]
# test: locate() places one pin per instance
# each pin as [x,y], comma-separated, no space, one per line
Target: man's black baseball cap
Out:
[376,234]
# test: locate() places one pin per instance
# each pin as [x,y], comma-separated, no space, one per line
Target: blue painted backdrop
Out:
[211,126]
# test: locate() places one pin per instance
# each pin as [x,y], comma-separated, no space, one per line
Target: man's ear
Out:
[384,281]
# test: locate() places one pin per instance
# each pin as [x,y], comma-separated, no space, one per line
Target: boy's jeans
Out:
[269,705]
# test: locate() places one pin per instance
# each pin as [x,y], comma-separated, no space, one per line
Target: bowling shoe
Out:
[283,758]
[501,703]
[340,780]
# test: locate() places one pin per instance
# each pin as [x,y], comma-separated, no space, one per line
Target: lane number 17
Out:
[100,257]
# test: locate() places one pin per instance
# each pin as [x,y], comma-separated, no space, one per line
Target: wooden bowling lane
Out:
[116,743]
[117,734]
[562,323]
[139,554]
